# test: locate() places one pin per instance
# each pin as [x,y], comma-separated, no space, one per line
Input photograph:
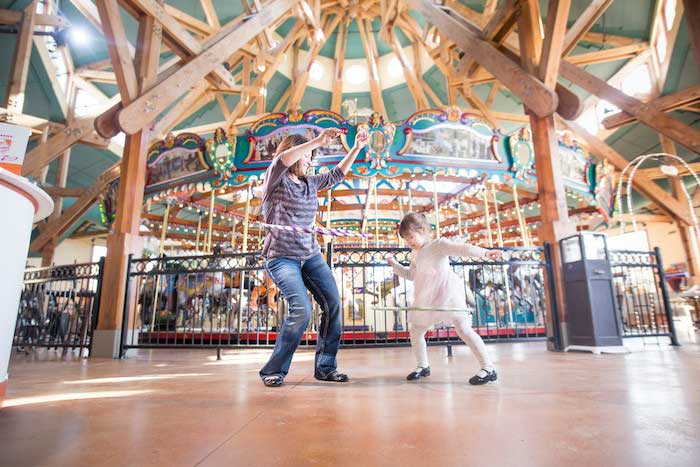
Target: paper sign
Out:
[13,146]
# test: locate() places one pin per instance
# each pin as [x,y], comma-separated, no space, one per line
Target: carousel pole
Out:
[521,221]
[504,269]
[233,234]
[164,228]
[199,228]
[487,217]
[410,196]
[435,205]
[211,220]
[246,218]
[459,217]
[498,219]
[376,216]
[328,238]
[401,217]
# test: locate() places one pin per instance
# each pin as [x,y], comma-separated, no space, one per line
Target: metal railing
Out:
[229,301]
[58,307]
[641,294]
[507,297]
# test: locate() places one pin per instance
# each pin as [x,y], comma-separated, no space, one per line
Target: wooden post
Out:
[125,238]
[14,99]
[550,185]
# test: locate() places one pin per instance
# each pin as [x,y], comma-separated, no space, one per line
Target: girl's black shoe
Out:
[490,376]
[417,374]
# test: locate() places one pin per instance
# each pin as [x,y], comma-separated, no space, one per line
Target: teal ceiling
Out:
[630,18]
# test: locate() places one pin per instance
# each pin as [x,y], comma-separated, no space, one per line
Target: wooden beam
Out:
[609,39]
[15,17]
[211,127]
[555,29]
[56,145]
[118,49]
[529,89]
[14,97]
[667,103]
[609,55]
[277,55]
[58,91]
[499,26]
[340,44]
[57,227]
[374,79]
[301,77]
[692,19]
[652,117]
[413,80]
[583,23]
[137,114]
[61,192]
[189,22]
[644,185]
[193,101]
[210,14]
[655,172]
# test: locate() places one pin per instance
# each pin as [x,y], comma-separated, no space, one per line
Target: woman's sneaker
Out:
[418,373]
[483,377]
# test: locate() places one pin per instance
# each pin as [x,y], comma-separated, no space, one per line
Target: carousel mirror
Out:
[377,141]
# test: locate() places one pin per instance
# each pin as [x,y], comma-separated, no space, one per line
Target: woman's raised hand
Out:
[328,135]
[361,138]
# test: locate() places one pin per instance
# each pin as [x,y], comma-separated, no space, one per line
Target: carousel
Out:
[202,220]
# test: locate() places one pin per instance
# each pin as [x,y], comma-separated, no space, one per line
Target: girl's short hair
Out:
[412,222]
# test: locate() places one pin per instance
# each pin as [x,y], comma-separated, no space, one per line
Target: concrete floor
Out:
[183,408]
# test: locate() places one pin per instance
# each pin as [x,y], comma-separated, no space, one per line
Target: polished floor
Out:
[184,408]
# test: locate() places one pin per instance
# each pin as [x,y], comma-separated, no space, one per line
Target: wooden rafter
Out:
[410,73]
[583,23]
[340,45]
[644,185]
[375,87]
[58,226]
[276,56]
[301,78]
[667,103]
[692,18]
[136,115]
[555,29]
[529,89]
[122,63]
[14,97]
[650,116]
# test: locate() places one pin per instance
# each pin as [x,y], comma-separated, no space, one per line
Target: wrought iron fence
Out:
[642,297]
[507,297]
[228,300]
[58,307]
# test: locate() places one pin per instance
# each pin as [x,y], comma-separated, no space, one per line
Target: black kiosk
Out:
[593,322]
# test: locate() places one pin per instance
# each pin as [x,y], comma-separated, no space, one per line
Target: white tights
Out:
[464,331]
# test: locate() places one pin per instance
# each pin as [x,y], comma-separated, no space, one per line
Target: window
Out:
[638,82]
[669,13]
[316,71]
[98,251]
[589,121]
[356,74]
[661,45]
[395,68]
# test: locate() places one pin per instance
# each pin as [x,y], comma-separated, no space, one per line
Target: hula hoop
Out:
[419,308]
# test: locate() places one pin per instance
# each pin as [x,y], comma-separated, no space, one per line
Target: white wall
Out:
[70,251]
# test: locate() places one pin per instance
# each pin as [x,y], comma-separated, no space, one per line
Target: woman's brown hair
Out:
[291,141]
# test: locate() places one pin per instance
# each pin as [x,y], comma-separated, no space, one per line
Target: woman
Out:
[293,259]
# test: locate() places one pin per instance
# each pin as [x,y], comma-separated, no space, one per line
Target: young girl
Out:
[437,286]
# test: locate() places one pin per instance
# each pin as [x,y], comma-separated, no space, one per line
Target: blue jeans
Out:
[293,277]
